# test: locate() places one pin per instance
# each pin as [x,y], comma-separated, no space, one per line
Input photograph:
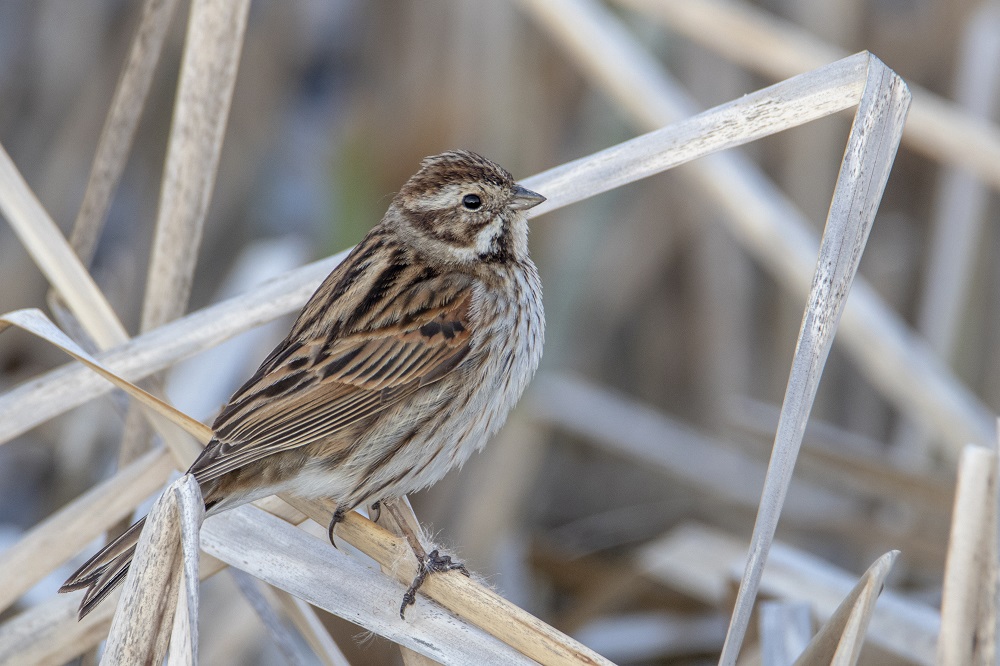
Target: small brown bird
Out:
[405,360]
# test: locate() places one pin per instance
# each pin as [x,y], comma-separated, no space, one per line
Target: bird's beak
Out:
[525,199]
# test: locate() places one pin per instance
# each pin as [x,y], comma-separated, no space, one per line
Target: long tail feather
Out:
[103,572]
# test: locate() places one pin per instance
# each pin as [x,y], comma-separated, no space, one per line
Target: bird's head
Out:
[461,208]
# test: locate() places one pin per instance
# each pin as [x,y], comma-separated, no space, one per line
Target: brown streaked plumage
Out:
[408,356]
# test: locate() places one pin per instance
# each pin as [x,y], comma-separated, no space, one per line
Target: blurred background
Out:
[645,436]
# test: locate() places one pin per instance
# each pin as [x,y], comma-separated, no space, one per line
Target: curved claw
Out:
[338,516]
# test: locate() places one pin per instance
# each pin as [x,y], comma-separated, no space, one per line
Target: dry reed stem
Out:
[143,622]
[969,601]
[839,640]
[963,200]
[184,637]
[55,258]
[868,159]
[208,74]
[119,127]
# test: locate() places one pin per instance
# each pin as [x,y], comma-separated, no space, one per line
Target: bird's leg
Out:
[426,563]
[338,516]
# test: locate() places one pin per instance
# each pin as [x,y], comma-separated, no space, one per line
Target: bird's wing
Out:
[307,391]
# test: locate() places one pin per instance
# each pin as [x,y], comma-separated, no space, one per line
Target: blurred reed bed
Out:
[618,504]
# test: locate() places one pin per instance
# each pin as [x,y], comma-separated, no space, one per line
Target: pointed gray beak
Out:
[525,199]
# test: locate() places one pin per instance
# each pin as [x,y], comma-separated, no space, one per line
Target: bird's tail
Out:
[104,571]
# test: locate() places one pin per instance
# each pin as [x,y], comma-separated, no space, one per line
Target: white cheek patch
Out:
[486,236]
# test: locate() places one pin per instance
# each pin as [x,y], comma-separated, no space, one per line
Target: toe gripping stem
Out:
[434,562]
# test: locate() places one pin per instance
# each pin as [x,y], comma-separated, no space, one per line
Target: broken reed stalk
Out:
[871,149]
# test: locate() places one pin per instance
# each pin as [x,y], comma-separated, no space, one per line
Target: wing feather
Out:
[319,387]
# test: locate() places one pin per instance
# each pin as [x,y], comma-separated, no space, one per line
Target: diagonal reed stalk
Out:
[871,148]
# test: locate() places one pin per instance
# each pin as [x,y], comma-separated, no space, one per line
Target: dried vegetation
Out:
[678,486]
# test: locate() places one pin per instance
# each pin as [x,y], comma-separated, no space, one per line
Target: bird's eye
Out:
[472,201]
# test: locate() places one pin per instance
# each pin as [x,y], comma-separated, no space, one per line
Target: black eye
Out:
[472,201]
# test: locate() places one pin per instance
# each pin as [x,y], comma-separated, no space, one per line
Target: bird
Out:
[405,360]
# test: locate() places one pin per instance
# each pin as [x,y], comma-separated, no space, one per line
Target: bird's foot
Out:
[434,562]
